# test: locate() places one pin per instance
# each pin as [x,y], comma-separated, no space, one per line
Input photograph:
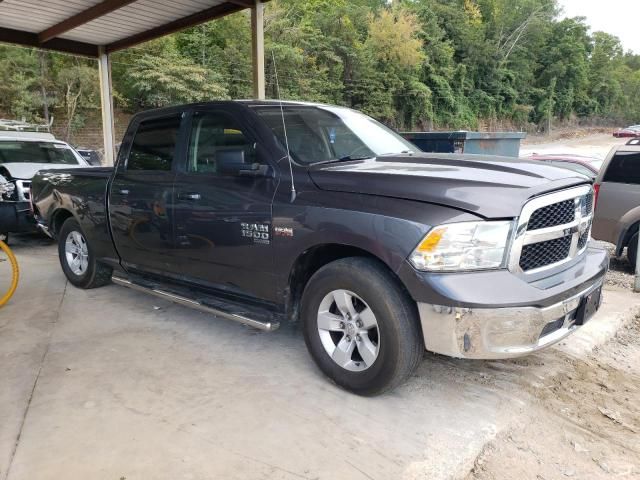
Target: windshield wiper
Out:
[396,153]
[346,158]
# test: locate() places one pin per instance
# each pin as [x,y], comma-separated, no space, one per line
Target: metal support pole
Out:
[636,287]
[106,100]
[257,48]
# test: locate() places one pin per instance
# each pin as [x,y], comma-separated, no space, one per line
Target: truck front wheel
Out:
[360,327]
[77,258]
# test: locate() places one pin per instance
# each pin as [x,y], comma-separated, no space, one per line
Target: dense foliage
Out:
[412,64]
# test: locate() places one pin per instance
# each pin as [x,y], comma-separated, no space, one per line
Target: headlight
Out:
[6,188]
[463,246]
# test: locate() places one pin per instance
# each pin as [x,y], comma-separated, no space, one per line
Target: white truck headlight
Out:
[6,188]
[463,246]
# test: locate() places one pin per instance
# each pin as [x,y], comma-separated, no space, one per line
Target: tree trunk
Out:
[72,104]
[552,94]
[43,86]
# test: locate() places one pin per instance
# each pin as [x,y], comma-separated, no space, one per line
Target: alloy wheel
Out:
[348,330]
[76,253]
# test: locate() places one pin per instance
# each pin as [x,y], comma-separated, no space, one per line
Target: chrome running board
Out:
[187,302]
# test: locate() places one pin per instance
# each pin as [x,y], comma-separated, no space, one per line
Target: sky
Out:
[618,17]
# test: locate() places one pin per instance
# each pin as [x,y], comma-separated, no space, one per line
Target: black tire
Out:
[96,274]
[400,342]
[632,250]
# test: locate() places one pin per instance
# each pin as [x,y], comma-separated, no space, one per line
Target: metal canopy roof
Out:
[81,26]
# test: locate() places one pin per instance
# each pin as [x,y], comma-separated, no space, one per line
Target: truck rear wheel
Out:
[77,258]
[360,327]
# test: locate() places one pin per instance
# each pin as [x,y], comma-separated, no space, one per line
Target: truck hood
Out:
[491,187]
[26,171]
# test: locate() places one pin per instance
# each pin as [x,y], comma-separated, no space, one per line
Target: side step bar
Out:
[266,326]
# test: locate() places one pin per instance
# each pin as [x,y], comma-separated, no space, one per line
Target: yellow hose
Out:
[15,273]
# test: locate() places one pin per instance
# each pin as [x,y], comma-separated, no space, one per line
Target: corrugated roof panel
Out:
[37,15]
[18,21]
[22,20]
[135,18]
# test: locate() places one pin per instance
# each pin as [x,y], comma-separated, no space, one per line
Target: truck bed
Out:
[83,191]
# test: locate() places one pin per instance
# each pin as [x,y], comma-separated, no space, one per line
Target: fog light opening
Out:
[467,342]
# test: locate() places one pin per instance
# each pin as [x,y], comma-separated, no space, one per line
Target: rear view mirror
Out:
[233,161]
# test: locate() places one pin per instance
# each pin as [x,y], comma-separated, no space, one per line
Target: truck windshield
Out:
[36,152]
[319,134]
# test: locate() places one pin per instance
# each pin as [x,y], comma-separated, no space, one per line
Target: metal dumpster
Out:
[488,143]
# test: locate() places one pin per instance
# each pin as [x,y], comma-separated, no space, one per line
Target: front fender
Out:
[387,228]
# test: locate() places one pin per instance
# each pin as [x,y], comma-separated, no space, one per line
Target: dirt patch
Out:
[621,272]
[583,422]
[567,133]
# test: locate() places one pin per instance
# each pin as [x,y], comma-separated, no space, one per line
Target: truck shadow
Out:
[25,241]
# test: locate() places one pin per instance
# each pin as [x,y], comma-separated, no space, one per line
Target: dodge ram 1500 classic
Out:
[262,212]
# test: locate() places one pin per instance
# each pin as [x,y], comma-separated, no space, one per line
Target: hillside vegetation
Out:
[412,64]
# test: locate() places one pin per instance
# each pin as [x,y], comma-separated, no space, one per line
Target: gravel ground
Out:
[583,423]
[621,272]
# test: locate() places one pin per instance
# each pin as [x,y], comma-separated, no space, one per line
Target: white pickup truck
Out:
[22,155]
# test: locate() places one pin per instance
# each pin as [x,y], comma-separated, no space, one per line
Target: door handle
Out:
[123,192]
[189,196]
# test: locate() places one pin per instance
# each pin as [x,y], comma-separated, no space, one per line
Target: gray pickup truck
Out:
[261,212]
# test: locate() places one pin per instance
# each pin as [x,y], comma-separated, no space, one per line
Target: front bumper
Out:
[505,316]
[16,217]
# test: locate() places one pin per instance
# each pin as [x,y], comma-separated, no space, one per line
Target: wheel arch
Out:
[631,222]
[57,219]
[311,260]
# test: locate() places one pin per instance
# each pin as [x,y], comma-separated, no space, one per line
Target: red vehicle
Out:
[588,166]
[630,131]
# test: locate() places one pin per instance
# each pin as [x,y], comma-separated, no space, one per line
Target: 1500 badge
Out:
[259,232]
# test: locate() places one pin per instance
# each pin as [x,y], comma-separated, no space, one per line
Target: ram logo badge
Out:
[259,232]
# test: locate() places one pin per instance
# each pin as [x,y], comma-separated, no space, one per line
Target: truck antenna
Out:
[284,128]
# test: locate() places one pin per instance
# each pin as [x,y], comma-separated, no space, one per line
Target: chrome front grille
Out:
[553,215]
[23,190]
[582,241]
[552,229]
[541,254]
[589,201]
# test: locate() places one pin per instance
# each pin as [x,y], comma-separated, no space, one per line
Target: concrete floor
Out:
[113,384]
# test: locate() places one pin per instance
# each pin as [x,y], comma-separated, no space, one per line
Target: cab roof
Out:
[13,135]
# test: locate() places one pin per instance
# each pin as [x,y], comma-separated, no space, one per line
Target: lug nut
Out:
[347,338]
[358,338]
[359,323]
[342,325]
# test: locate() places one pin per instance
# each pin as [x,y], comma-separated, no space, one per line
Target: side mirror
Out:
[233,161]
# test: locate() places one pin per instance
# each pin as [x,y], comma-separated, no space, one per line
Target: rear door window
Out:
[154,144]
[212,135]
[624,167]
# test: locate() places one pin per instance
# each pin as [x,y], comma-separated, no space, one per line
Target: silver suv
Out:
[617,189]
